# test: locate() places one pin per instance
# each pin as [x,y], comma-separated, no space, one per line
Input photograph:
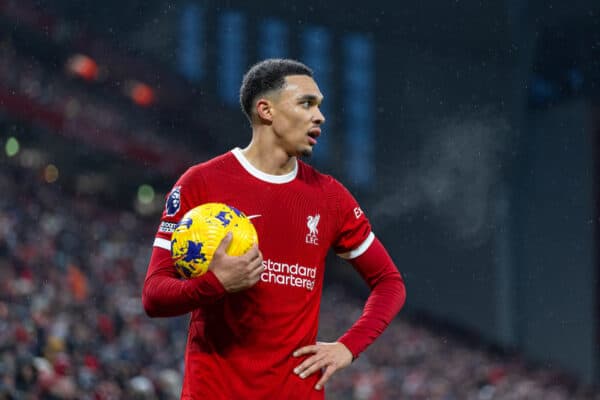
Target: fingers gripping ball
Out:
[200,231]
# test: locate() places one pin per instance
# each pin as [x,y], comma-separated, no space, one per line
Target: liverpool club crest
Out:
[311,222]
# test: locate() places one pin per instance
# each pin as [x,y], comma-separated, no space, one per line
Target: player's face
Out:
[297,118]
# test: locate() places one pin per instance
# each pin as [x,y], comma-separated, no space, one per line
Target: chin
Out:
[306,152]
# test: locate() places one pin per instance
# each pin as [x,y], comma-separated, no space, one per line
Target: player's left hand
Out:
[330,357]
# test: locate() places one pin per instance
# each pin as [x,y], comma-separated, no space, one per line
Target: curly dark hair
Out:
[265,76]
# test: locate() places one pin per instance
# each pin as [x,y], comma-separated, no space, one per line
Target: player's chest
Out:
[289,219]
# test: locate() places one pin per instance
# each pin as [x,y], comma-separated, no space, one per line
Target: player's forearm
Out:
[164,295]
[387,297]
[170,297]
[383,304]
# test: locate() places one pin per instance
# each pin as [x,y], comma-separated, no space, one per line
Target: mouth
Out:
[313,134]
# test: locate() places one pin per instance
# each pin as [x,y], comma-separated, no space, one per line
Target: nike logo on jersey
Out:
[254,216]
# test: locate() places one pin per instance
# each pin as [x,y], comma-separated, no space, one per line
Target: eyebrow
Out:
[310,97]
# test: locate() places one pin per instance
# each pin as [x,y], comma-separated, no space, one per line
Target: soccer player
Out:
[254,322]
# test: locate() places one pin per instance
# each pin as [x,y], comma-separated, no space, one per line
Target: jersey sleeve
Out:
[356,242]
[184,195]
[387,297]
[164,293]
[354,235]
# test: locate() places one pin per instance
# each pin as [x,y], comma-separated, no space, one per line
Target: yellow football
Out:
[200,231]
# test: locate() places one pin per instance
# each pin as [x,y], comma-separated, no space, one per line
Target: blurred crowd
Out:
[71,321]
[72,324]
[91,113]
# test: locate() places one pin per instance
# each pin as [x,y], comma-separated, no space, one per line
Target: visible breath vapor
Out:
[454,178]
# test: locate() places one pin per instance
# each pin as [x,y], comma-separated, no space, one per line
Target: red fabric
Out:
[165,295]
[387,297]
[240,345]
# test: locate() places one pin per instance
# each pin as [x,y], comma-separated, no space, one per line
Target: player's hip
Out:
[206,380]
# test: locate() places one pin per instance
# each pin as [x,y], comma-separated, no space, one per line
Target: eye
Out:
[306,104]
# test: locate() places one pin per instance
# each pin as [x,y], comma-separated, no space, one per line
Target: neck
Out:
[264,154]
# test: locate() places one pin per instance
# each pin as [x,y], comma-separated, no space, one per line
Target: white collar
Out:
[263,176]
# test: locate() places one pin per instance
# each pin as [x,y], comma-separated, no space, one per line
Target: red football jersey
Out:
[240,345]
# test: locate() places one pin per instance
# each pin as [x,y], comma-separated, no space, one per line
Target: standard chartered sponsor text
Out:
[294,275]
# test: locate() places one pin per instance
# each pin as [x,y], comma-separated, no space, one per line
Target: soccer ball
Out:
[200,231]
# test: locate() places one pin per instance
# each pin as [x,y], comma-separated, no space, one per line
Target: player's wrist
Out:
[348,344]
[208,286]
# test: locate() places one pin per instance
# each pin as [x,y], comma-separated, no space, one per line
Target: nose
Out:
[318,118]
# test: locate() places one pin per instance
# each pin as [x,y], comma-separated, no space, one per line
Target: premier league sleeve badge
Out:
[173,201]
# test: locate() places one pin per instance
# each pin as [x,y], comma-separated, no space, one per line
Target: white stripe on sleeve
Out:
[162,243]
[360,249]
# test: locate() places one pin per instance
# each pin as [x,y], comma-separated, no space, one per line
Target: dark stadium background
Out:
[468,130]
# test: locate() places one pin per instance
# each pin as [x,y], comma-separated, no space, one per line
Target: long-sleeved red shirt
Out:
[240,344]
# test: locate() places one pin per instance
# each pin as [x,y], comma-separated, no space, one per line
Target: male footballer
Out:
[254,318]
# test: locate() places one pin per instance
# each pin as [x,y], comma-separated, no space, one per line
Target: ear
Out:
[264,110]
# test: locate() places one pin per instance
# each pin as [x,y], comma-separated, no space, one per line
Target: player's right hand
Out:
[236,272]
